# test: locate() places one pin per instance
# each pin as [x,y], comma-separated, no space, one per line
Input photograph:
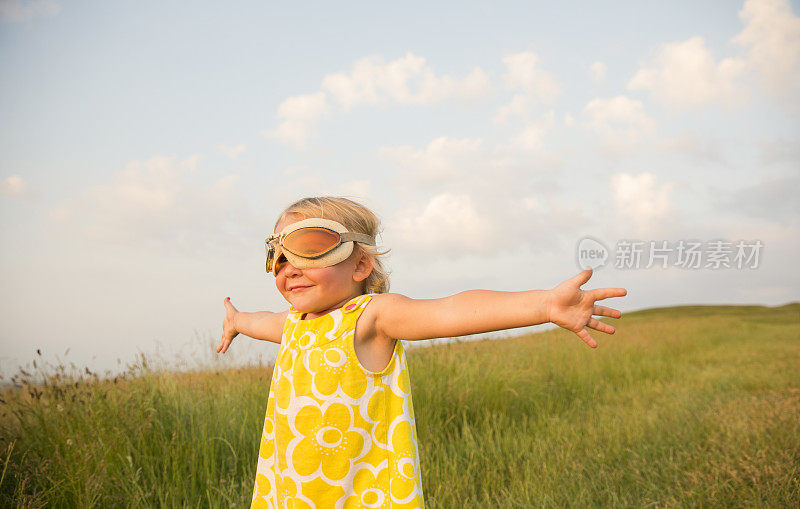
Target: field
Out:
[695,406]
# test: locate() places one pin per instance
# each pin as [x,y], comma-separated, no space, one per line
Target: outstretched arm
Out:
[476,311]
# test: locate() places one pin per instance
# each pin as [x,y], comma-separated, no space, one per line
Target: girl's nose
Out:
[290,269]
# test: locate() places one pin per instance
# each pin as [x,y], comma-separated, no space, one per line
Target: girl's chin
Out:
[301,299]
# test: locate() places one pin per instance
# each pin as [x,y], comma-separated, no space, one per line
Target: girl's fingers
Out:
[604,311]
[596,324]
[582,277]
[584,335]
[223,346]
[605,293]
[226,342]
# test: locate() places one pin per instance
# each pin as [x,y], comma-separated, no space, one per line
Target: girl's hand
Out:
[228,326]
[572,308]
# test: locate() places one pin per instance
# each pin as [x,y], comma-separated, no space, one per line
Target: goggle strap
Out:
[357,237]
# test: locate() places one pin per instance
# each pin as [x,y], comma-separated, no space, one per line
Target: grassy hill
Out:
[683,406]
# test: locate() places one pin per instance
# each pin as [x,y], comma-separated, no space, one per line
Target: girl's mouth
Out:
[298,289]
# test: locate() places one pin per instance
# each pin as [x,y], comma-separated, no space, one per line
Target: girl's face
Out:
[320,289]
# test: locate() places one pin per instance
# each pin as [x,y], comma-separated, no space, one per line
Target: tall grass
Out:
[685,406]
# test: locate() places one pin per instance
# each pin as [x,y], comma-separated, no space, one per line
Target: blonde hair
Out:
[356,218]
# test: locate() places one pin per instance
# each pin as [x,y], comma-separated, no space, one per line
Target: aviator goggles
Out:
[313,242]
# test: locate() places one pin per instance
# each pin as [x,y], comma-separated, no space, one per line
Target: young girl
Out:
[340,430]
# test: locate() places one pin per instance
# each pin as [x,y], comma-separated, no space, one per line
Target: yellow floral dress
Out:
[336,435]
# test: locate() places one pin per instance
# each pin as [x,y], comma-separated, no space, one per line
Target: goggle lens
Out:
[279,263]
[311,241]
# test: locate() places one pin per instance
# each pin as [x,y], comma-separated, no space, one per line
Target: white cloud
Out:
[524,74]
[232,151]
[13,186]
[620,121]
[685,75]
[771,37]
[530,139]
[640,200]
[371,80]
[442,160]
[358,189]
[159,201]
[774,199]
[569,121]
[536,85]
[703,149]
[779,151]
[470,188]
[301,181]
[298,116]
[521,105]
[406,80]
[598,72]
[531,203]
[465,166]
[17,11]
[448,224]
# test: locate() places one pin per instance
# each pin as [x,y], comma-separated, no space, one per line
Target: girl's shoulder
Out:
[379,301]
[377,306]
[383,300]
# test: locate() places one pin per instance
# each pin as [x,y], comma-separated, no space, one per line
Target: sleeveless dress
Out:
[336,435]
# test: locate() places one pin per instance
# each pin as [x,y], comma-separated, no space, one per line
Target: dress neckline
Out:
[301,315]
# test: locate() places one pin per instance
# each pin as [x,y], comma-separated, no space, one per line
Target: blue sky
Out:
[147,148]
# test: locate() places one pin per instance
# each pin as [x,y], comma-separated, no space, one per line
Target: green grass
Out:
[694,406]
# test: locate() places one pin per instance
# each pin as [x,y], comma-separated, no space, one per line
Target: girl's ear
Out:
[363,267]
